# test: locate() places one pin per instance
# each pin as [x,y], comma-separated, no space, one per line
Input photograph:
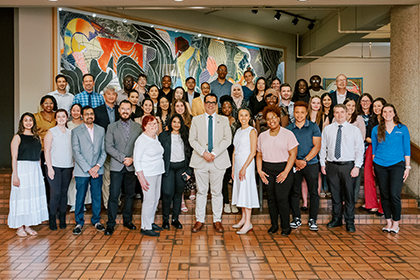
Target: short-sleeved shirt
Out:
[395,147]
[305,136]
[220,89]
[276,149]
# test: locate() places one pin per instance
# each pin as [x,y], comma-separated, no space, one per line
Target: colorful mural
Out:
[111,49]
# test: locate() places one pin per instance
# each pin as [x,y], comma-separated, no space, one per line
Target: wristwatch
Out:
[408,167]
[305,159]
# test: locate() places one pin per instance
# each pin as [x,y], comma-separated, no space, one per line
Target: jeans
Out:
[390,180]
[96,194]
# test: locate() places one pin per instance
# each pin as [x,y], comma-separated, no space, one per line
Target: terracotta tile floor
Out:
[179,254]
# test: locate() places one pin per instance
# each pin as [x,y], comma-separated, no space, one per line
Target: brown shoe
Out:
[197,227]
[218,227]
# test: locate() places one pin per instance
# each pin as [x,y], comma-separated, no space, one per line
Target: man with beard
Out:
[120,139]
[221,86]
[286,94]
[64,99]
[341,94]
[88,142]
[128,85]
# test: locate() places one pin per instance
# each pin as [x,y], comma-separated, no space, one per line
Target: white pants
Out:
[150,201]
[205,176]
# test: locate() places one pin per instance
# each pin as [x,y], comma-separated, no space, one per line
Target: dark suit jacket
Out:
[166,141]
[101,116]
[196,94]
[349,95]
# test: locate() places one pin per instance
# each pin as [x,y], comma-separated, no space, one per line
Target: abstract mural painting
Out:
[110,49]
[354,85]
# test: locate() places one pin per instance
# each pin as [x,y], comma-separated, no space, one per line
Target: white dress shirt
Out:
[352,145]
[64,101]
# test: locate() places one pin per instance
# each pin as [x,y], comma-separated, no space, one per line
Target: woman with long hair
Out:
[147,107]
[28,202]
[327,111]
[276,84]
[136,111]
[153,95]
[257,101]
[244,189]
[372,197]
[164,112]
[391,161]
[301,92]
[59,160]
[249,87]
[179,93]
[179,106]
[315,110]
[177,154]
[364,107]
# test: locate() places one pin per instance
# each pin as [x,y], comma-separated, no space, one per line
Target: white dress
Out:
[244,193]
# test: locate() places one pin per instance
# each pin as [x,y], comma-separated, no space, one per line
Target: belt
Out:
[341,162]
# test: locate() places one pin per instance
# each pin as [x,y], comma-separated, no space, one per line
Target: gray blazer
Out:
[87,154]
[118,146]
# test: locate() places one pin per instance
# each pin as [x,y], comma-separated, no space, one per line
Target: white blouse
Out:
[148,156]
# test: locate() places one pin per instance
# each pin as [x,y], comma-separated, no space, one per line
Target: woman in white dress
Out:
[28,202]
[244,192]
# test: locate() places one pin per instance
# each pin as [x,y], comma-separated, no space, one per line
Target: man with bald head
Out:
[128,86]
[341,94]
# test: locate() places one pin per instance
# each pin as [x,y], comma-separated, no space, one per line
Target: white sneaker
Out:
[234,209]
[227,209]
[73,208]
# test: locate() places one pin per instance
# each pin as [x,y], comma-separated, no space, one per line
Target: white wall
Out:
[33,57]
[375,72]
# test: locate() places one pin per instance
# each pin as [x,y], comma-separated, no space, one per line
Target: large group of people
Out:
[158,143]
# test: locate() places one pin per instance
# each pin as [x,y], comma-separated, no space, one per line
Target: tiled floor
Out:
[179,254]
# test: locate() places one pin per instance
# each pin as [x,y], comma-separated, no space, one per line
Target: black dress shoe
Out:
[273,229]
[303,209]
[149,232]
[155,227]
[176,224]
[286,232]
[335,223]
[130,226]
[379,214]
[109,231]
[165,224]
[350,228]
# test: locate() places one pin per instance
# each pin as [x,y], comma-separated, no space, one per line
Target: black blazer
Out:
[349,95]
[196,94]
[166,141]
[101,116]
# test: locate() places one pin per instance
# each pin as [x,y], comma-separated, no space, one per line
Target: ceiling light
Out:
[124,20]
[218,38]
[199,35]
[311,25]
[295,21]
[94,15]
[176,31]
[277,15]
[254,12]
[152,26]
[60,9]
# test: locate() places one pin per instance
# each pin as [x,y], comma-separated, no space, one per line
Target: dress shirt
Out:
[290,109]
[207,128]
[83,99]
[64,101]
[341,98]
[111,113]
[220,89]
[126,125]
[352,145]
[90,130]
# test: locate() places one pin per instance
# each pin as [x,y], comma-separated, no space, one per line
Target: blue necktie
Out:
[337,152]
[90,99]
[210,134]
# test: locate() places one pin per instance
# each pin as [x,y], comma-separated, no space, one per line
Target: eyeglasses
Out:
[211,102]
[315,80]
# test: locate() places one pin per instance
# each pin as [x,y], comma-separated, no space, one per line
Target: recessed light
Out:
[176,31]
[199,35]
[218,38]
[60,9]
[94,15]
[124,20]
[152,26]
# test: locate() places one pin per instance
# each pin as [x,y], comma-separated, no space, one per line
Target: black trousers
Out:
[117,179]
[390,181]
[44,170]
[342,187]
[58,189]
[227,177]
[310,173]
[278,194]
[172,190]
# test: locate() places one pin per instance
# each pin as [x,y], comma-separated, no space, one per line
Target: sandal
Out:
[30,231]
[183,207]
[192,197]
[21,232]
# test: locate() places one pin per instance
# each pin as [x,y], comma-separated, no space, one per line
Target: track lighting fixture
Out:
[295,21]
[277,15]
[311,25]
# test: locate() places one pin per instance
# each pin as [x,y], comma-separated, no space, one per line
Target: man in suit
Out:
[341,94]
[120,138]
[105,115]
[190,94]
[210,135]
[88,142]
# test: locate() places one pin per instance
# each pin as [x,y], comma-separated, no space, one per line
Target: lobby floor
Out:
[179,254]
